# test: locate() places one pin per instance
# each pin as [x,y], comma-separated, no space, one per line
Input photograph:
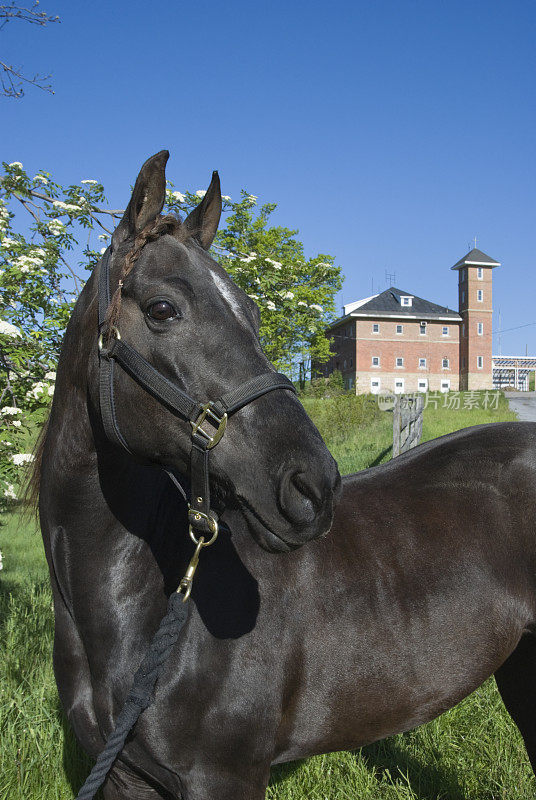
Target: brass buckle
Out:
[220,423]
[113,330]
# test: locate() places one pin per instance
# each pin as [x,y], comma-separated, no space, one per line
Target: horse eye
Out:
[161,310]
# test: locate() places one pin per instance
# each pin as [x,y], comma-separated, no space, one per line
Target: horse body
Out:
[398,613]
[423,587]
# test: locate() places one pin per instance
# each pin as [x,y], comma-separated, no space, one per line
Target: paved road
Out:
[524,404]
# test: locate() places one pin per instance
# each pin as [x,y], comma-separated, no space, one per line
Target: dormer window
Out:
[406,300]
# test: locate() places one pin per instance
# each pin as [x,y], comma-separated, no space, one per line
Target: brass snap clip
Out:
[187,582]
[220,423]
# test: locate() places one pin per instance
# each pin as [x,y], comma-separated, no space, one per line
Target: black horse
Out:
[425,585]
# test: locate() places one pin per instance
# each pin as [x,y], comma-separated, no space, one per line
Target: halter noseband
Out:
[202,519]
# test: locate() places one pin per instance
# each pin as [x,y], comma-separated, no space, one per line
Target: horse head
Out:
[180,311]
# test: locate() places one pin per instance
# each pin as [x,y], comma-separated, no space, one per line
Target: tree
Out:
[296,295]
[11,78]
[44,226]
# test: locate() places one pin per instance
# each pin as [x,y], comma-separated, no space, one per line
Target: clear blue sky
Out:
[389,133]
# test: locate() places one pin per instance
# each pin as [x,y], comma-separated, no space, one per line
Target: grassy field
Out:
[472,752]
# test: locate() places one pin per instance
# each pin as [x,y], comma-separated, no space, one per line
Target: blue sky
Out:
[389,133]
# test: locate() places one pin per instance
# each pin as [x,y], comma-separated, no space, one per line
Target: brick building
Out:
[395,341]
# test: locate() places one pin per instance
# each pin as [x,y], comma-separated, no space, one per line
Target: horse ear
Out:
[147,198]
[203,221]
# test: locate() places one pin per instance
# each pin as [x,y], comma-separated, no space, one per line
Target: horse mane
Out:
[168,224]
[30,492]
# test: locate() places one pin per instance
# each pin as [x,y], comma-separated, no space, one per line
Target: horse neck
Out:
[89,487]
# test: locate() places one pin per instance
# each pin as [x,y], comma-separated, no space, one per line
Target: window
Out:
[422,385]
[445,385]
[445,363]
[479,295]
[406,301]
[399,361]
[399,386]
[399,328]
[422,328]
[480,328]
[480,273]
[374,385]
[375,361]
[480,362]
[445,330]
[422,363]
[375,327]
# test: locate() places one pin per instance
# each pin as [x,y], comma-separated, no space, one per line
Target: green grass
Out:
[472,752]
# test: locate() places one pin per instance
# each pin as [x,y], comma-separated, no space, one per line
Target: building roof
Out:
[388,304]
[476,258]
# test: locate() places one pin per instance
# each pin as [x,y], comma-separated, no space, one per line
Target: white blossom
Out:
[15,164]
[9,330]
[252,199]
[50,376]
[254,296]
[201,192]
[270,305]
[7,242]
[65,206]
[226,197]
[179,196]
[89,181]
[247,259]
[17,423]
[22,458]
[103,237]
[275,264]
[316,307]
[301,303]
[10,411]
[38,389]
[41,179]
[288,295]
[102,250]
[11,495]
[56,227]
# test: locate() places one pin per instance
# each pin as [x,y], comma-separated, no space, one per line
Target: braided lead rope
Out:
[140,695]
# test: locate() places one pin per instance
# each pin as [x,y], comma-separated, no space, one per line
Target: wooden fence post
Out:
[407,422]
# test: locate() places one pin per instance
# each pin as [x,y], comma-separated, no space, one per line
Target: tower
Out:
[474,303]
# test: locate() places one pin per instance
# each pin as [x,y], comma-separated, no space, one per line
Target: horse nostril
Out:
[300,497]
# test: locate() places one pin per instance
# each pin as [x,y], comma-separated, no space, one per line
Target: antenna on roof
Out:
[390,278]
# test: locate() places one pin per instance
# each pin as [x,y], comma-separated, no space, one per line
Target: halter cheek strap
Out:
[208,420]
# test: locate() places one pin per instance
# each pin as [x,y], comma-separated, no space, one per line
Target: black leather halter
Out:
[214,414]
